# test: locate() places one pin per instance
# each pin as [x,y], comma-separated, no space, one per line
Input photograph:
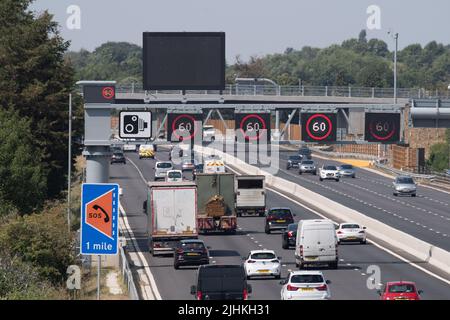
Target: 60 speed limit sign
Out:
[382,127]
[253,126]
[319,127]
[183,126]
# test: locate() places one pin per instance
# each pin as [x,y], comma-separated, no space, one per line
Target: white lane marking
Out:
[147,271]
[371,241]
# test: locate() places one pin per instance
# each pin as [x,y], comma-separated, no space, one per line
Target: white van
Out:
[316,243]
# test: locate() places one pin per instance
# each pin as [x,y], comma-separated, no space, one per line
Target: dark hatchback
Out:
[221,282]
[190,253]
[289,236]
[293,162]
[305,153]
[278,219]
[118,157]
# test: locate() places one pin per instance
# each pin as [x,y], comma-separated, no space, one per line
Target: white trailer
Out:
[171,208]
[250,195]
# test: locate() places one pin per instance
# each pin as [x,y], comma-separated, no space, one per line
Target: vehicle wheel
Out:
[353,176]
[248,277]
[334,265]
[285,245]
[320,179]
[364,242]
[176,266]
[413,195]
[395,194]
[315,173]
[267,230]
[278,276]
[300,173]
[301,265]
[296,264]
[287,167]
[338,242]
[140,157]
[261,214]
[337,180]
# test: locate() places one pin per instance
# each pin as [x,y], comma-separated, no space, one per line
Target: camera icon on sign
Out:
[133,124]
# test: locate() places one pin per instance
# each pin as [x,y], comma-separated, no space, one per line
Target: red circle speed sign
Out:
[321,128]
[252,123]
[108,93]
[183,123]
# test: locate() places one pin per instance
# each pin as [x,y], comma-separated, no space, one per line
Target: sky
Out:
[252,27]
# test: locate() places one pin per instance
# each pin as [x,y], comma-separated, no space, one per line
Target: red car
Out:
[400,290]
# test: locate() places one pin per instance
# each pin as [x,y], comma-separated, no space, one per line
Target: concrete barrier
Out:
[400,240]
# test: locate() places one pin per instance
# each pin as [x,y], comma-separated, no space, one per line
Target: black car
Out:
[278,219]
[221,282]
[305,153]
[190,253]
[293,162]
[198,169]
[289,236]
[118,157]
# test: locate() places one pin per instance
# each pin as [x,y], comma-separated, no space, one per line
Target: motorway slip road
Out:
[348,282]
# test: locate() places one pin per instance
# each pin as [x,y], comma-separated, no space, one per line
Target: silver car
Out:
[404,185]
[347,170]
[307,166]
[161,168]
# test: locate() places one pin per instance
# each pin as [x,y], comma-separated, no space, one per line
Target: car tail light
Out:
[180,251]
[199,295]
[245,294]
[157,245]
[270,218]
[275,261]
[362,231]
[339,232]
[251,261]
[291,288]
[290,234]
[322,288]
[238,193]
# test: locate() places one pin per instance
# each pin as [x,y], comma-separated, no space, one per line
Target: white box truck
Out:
[316,243]
[250,195]
[171,208]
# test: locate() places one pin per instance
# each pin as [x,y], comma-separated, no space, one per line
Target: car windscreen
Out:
[346,166]
[308,162]
[329,168]
[174,175]
[292,227]
[262,256]
[281,213]
[164,165]
[350,226]
[405,180]
[295,158]
[307,278]
[250,184]
[398,288]
[119,153]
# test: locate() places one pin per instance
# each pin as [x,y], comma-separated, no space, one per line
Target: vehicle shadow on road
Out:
[224,253]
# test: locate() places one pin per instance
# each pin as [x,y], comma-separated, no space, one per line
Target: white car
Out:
[174,176]
[209,133]
[129,147]
[305,285]
[161,169]
[351,232]
[330,172]
[262,263]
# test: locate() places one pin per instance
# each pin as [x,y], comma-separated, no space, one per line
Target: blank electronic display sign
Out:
[184,60]
[382,127]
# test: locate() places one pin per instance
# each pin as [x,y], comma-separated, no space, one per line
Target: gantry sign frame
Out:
[100,100]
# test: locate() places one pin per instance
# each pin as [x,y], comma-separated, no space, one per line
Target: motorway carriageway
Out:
[348,282]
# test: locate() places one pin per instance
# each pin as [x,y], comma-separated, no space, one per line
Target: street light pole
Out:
[395,68]
[69,166]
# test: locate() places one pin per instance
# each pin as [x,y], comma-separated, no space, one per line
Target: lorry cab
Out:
[316,243]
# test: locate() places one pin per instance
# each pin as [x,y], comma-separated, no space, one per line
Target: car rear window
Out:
[398,288]
[292,227]
[174,175]
[250,184]
[307,278]
[308,162]
[350,226]
[304,151]
[164,165]
[281,213]
[192,245]
[298,158]
[263,255]
[330,168]
[346,166]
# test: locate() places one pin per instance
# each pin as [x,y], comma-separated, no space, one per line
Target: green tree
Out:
[439,156]
[23,182]
[35,80]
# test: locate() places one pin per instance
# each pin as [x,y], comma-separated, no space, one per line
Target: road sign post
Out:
[99,221]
